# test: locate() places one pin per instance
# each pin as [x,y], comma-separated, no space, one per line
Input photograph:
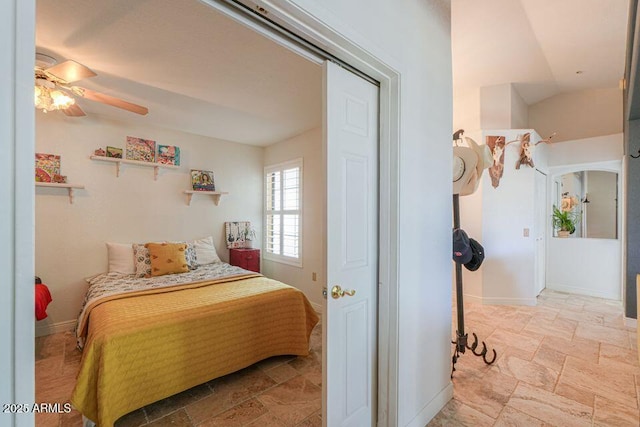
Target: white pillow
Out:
[205,251]
[121,258]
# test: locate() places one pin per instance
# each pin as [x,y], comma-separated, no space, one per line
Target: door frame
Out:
[17,219]
[17,251]
[545,230]
[339,41]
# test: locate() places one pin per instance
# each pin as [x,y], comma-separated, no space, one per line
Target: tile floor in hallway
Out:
[570,361]
[280,391]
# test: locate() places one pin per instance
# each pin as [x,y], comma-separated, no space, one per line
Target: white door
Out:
[540,232]
[349,328]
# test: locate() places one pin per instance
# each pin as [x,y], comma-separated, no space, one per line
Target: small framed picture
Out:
[143,150]
[169,155]
[114,152]
[202,180]
[47,166]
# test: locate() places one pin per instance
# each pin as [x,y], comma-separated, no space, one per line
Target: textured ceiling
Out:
[538,45]
[195,70]
[200,72]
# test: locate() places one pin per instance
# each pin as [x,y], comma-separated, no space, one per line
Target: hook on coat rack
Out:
[457,136]
[636,157]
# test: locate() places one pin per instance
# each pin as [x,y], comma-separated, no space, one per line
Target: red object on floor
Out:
[43,298]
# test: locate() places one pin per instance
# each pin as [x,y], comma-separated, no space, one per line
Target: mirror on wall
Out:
[590,199]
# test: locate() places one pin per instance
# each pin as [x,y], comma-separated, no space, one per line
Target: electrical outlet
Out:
[314,277]
[525,232]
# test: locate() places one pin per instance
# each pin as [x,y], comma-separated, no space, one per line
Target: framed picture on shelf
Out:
[47,166]
[114,152]
[143,150]
[169,155]
[202,180]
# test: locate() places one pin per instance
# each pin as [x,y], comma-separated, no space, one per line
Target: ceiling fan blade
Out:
[111,100]
[74,111]
[70,71]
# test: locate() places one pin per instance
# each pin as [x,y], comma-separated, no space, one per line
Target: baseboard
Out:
[54,328]
[432,408]
[630,322]
[500,301]
[583,291]
[510,301]
[473,298]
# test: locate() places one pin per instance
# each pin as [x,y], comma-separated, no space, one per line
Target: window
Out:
[283,212]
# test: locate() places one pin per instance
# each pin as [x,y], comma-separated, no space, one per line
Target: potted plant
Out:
[249,236]
[564,221]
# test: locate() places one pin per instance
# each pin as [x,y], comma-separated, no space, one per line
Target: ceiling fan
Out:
[54,89]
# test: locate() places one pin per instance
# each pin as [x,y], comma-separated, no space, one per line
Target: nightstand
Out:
[247,258]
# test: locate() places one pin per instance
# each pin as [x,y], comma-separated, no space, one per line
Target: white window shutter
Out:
[283,212]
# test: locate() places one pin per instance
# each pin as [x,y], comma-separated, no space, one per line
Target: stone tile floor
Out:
[569,361]
[280,391]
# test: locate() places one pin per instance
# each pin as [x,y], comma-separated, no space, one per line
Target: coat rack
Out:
[461,341]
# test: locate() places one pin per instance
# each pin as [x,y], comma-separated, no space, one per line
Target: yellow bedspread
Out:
[141,349]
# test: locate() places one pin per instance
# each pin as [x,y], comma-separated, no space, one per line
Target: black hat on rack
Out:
[461,247]
[477,255]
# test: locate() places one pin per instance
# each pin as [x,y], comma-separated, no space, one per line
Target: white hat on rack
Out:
[485,159]
[465,173]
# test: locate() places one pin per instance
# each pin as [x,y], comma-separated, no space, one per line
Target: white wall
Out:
[495,106]
[507,273]
[424,187]
[307,146]
[586,150]
[133,207]
[466,111]
[585,266]
[578,114]
[502,107]
[519,111]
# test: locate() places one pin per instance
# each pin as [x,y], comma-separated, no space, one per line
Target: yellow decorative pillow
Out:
[167,258]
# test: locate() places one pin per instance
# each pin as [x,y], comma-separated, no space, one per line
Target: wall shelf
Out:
[214,194]
[118,162]
[69,187]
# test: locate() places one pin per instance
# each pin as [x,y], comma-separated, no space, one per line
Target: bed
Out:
[145,339]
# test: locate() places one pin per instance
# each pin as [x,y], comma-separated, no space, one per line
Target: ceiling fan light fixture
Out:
[46,99]
[60,100]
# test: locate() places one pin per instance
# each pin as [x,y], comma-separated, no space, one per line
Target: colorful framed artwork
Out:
[47,166]
[169,155]
[143,150]
[114,152]
[237,233]
[202,180]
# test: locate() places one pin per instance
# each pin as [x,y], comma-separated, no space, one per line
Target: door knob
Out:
[337,292]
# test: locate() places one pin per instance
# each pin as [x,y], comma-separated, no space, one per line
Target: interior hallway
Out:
[570,361]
